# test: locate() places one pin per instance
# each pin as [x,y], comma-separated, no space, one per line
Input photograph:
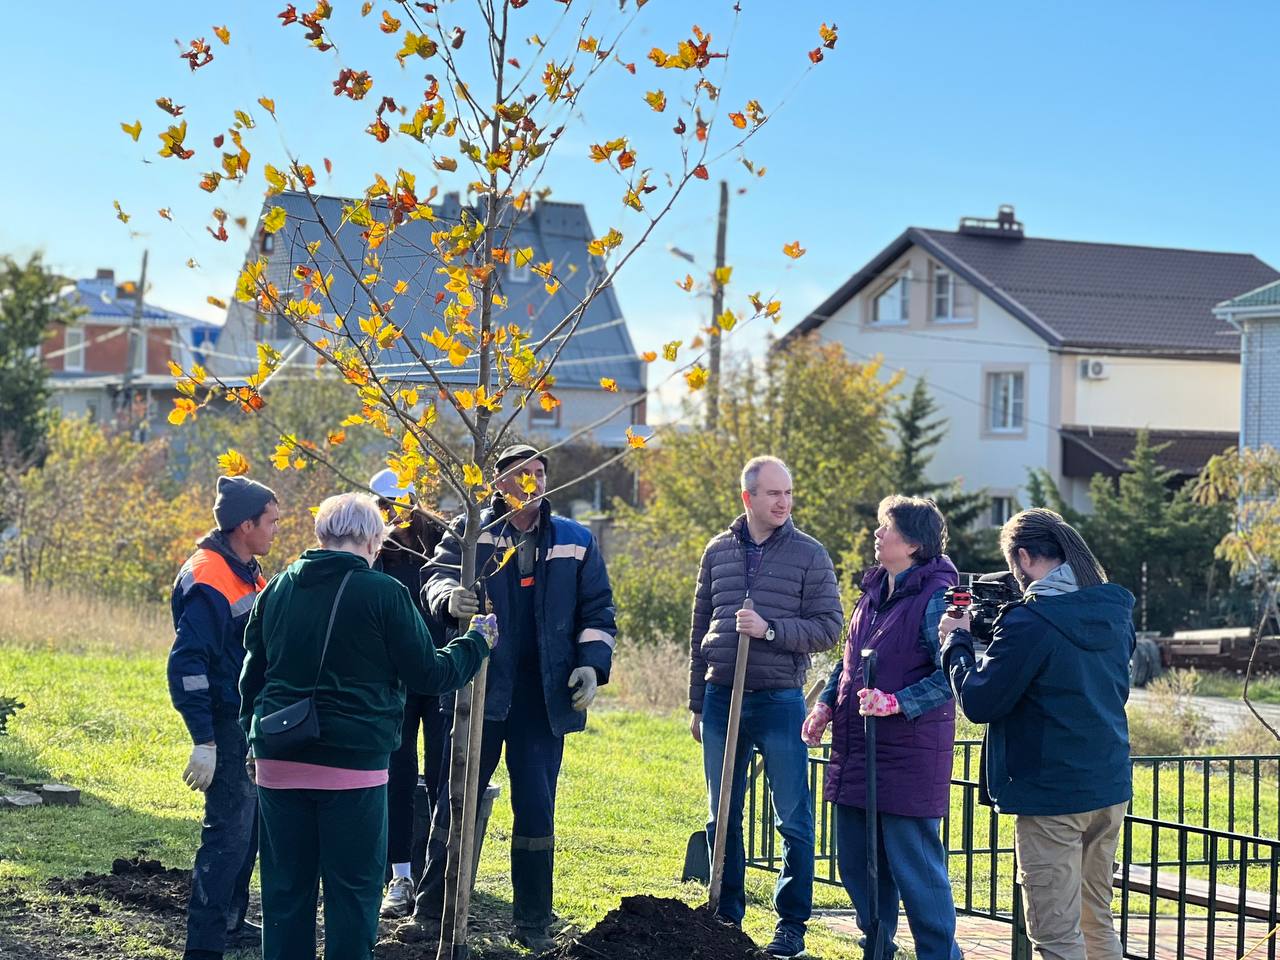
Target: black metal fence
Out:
[1199,852]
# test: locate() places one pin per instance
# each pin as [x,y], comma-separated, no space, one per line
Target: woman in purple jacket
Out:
[897,616]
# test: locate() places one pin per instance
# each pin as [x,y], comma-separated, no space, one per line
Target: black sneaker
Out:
[785,944]
[245,937]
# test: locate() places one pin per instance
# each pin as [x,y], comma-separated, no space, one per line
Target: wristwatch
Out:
[768,631]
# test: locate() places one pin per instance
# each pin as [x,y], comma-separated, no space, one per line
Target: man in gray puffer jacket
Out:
[790,580]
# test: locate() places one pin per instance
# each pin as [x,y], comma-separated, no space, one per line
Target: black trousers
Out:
[533,755]
[420,712]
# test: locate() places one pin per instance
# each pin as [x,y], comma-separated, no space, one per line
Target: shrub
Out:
[8,707]
[1170,722]
[1250,738]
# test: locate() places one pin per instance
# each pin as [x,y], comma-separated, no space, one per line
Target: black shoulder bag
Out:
[297,725]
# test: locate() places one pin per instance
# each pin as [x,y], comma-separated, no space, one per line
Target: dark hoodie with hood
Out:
[1051,688]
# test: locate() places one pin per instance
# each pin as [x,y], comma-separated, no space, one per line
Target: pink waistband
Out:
[291,775]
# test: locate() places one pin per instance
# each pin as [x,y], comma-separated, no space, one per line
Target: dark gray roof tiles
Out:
[1086,295]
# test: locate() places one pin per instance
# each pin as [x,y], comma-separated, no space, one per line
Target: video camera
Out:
[982,599]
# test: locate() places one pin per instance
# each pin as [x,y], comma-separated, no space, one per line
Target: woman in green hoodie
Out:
[331,628]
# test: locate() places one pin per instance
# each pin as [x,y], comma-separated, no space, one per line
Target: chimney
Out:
[1005,225]
[106,275]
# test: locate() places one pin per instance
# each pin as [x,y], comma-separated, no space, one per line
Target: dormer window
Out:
[517,274]
[892,305]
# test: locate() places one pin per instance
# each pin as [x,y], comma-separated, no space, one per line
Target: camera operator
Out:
[1052,687]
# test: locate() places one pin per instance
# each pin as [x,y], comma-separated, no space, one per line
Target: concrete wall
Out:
[954,358]
[1152,392]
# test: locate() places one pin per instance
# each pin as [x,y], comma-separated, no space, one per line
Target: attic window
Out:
[268,242]
[893,303]
[952,297]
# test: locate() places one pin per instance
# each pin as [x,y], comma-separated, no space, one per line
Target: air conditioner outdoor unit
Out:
[1094,370]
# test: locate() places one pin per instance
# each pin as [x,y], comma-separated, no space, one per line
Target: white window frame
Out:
[547,419]
[902,282]
[1006,394]
[517,274]
[73,355]
[942,273]
[142,349]
[1002,508]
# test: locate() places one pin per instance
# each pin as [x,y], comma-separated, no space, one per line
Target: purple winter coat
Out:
[913,757]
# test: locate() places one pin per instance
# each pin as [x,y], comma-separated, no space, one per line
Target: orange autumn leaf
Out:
[686,284]
[389,23]
[828,35]
[793,250]
[815,55]
[649,356]
[166,213]
[739,120]
[268,105]
[700,171]
[216,302]
[182,408]
[223,34]
[634,440]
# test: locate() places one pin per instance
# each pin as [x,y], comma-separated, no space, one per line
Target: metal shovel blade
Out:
[697,859]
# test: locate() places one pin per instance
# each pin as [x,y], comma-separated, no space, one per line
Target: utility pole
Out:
[717,308]
[134,343]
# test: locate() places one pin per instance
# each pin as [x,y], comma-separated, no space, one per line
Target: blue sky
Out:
[1141,122]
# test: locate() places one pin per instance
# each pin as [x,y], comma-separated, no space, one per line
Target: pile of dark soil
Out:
[653,928]
[138,882]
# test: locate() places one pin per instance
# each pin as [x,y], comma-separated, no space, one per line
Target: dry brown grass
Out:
[651,678]
[78,623]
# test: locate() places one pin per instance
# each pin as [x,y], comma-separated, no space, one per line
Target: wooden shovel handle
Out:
[726,770]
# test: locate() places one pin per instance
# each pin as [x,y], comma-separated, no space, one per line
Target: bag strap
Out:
[329,630]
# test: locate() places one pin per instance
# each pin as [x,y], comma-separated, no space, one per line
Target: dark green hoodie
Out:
[379,646]
[1051,688]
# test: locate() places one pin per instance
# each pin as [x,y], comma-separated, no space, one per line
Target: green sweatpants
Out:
[338,837]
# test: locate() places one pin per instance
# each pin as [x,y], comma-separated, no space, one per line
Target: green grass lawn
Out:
[630,795]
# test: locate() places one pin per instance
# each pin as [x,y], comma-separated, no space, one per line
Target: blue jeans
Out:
[913,866]
[771,721]
[228,844]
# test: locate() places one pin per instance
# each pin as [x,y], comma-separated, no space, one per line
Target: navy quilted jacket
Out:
[794,589]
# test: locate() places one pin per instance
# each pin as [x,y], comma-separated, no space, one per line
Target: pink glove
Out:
[877,703]
[815,724]
[487,625]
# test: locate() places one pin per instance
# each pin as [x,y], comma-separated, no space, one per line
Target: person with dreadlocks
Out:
[1051,688]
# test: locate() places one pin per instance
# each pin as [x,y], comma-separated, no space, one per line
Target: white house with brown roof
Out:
[1050,353]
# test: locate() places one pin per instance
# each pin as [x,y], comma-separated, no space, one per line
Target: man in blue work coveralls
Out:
[211,600]
[555,614]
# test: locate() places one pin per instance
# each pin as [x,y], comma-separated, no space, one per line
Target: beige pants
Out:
[1065,866]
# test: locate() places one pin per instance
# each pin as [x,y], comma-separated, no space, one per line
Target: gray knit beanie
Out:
[239,499]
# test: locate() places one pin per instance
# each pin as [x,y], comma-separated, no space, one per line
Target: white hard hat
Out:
[386,485]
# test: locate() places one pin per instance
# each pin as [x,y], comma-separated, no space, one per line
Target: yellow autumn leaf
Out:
[656,99]
[233,463]
[223,34]
[727,321]
[182,408]
[722,275]
[696,377]
[552,287]
[669,349]
[523,256]
[610,384]
[133,129]
[274,219]
[216,302]
[634,440]
[602,245]
[400,287]
[793,250]
[472,475]
[268,105]
[527,482]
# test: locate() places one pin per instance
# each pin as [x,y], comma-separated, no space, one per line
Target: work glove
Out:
[877,703]
[486,624]
[199,772]
[815,724]
[584,678]
[463,603]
